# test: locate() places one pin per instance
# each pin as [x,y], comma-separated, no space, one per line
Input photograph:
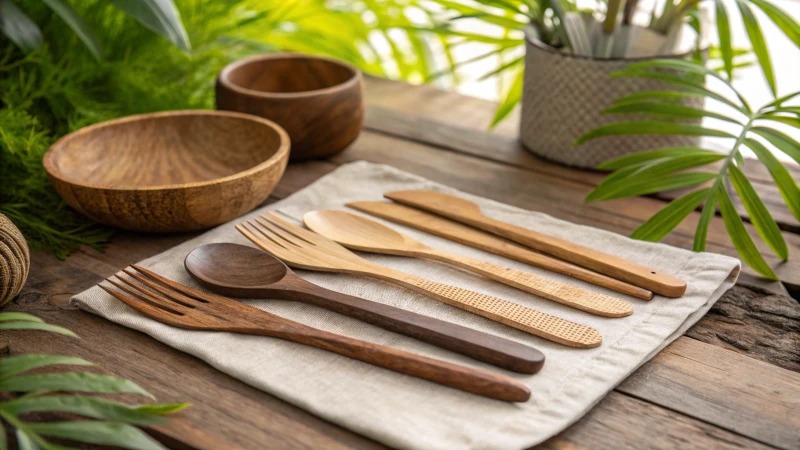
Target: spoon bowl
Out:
[233,269]
[359,233]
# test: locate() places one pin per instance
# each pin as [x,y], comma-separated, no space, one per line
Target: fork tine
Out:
[302,233]
[141,306]
[284,235]
[266,243]
[169,294]
[140,293]
[189,294]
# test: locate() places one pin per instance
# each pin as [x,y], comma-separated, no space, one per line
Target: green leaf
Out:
[25,442]
[709,210]
[666,110]
[163,410]
[22,317]
[789,27]
[652,184]
[3,438]
[656,95]
[71,381]
[35,326]
[741,239]
[511,100]
[759,215]
[642,157]
[783,179]
[670,216]
[562,30]
[74,20]
[618,182]
[782,100]
[685,84]
[14,365]
[781,141]
[96,408]
[758,43]
[791,121]
[724,32]
[160,16]
[101,433]
[650,127]
[18,27]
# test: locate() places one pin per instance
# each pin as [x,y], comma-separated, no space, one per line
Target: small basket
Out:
[564,96]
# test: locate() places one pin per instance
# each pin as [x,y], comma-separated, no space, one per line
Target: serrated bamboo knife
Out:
[469,213]
[360,233]
[463,234]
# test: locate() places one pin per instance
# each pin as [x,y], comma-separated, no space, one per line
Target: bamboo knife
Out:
[469,213]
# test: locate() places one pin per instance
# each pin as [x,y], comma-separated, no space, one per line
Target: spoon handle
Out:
[566,294]
[509,313]
[482,346]
[468,379]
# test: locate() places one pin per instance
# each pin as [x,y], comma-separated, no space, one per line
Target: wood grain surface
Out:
[170,171]
[665,407]
[243,271]
[318,101]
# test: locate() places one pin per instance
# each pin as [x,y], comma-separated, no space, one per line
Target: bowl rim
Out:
[281,153]
[224,76]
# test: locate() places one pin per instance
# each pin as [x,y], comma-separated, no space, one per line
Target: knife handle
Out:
[566,294]
[621,269]
[509,313]
[482,346]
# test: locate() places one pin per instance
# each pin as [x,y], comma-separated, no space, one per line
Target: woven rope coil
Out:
[564,97]
[15,260]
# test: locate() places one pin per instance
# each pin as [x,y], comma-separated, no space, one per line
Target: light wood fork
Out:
[304,249]
[181,306]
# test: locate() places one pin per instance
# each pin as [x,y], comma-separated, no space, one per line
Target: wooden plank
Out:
[620,422]
[750,397]
[549,193]
[417,116]
[756,323]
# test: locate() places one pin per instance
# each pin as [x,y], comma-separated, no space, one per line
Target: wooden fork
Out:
[181,306]
[305,249]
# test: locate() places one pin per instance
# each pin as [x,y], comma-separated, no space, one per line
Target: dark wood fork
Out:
[181,306]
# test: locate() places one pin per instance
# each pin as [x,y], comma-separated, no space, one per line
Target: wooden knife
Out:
[469,213]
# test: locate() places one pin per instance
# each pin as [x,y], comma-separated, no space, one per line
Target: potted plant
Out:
[570,54]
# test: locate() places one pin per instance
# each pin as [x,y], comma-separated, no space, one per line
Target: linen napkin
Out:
[409,413]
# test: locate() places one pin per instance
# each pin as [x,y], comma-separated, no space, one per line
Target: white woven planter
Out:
[564,96]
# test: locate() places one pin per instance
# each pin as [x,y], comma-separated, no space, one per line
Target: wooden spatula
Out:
[469,213]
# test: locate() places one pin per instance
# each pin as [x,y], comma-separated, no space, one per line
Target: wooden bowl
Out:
[170,171]
[318,101]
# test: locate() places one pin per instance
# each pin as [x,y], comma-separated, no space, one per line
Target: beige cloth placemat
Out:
[405,412]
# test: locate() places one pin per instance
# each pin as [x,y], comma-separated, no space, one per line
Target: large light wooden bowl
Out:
[171,171]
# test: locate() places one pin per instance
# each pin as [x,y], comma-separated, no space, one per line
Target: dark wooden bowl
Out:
[318,101]
[170,171]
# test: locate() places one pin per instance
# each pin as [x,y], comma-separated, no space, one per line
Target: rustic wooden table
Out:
[733,381]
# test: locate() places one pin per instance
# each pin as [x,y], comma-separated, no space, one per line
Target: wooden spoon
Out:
[241,271]
[467,212]
[360,233]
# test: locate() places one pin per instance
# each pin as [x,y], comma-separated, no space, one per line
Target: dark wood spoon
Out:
[240,271]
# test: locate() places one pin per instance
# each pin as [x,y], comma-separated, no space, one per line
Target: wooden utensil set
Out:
[242,271]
